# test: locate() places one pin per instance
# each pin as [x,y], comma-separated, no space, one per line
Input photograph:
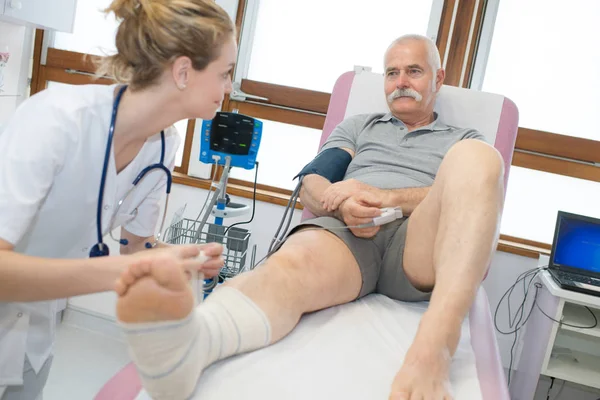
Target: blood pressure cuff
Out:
[330,164]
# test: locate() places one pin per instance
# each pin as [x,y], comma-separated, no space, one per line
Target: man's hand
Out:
[360,209]
[339,192]
[189,255]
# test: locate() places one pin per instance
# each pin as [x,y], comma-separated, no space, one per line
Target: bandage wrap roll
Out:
[170,356]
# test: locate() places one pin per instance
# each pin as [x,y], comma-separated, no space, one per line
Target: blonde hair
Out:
[153,33]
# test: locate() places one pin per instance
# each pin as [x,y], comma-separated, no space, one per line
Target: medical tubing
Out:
[277,237]
[310,228]
[212,183]
[289,221]
[213,200]
[287,208]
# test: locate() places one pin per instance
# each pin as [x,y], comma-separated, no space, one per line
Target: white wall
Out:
[18,40]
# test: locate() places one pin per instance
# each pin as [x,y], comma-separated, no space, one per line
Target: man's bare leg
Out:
[450,241]
[313,270]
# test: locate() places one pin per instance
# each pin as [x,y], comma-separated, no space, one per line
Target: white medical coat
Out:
[51,157]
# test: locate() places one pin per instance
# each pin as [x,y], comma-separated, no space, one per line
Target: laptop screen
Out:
[577,243]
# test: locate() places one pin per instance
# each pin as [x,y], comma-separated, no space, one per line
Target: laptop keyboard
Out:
[577,278]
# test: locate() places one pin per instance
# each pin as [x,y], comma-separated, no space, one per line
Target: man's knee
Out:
[475,160]
[314,254]
[300,252]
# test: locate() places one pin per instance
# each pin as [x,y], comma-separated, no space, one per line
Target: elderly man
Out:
[448,183]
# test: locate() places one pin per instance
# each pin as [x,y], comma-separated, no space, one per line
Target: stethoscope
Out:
[101,249]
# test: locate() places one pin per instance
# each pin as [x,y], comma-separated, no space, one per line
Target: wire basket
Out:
[235,242]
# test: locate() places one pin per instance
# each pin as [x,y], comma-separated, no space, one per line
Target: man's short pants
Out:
[379,258]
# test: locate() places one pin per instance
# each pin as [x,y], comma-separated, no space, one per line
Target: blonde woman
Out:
[71,153]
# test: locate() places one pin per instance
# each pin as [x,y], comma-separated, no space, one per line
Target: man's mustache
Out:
[404,93]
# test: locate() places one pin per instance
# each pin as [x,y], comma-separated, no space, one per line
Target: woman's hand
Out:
[189,256]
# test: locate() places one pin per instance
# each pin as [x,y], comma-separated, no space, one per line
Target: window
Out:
[309,44]
[533,199]
[93,34]
[284,150]
[549,74]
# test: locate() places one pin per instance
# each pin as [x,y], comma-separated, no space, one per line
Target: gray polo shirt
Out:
[387,156]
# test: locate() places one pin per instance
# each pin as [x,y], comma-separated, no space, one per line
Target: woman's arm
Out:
[27,278]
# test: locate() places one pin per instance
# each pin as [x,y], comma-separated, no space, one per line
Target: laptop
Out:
[575,257]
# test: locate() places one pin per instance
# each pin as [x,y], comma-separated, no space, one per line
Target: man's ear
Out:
[180,70]
[440,75]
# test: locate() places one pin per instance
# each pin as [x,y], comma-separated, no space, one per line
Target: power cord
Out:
[559,392]
[517,322]
[253,203]
[520,311]
[550,388]
[595,324]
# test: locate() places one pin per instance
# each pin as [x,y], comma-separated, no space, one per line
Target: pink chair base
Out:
[125,385]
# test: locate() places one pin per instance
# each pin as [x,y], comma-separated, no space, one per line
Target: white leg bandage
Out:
[170,356]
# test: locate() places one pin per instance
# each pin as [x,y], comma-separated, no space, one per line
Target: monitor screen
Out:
[577,243]
[232,134]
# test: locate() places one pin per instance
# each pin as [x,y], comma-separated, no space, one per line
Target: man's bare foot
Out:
[424,374]
[154,290]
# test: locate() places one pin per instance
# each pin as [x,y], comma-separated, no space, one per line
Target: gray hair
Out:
[432,51]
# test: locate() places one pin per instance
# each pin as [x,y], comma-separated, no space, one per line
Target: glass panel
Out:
[543,57]
[533,199]
[309,44]
[181,127]
[94,32]
[56,84]
[284,150]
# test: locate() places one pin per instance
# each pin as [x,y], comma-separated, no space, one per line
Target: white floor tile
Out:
[83,361]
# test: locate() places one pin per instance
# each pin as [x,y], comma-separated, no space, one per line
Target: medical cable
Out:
[253,203]
[279,235]
[292,208]
[305,228]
